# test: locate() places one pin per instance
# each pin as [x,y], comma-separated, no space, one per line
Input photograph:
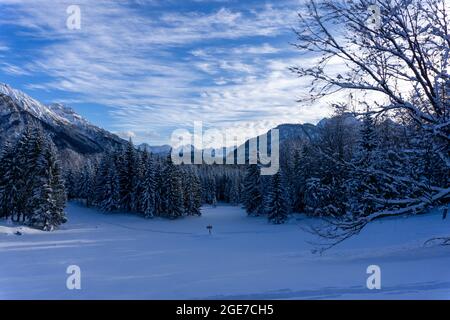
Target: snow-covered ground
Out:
[127,257]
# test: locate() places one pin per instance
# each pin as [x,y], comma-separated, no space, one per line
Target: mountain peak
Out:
[75,137]
[68,114]
[28,104]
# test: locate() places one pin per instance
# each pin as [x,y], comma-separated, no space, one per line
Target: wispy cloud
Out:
[12,69]
[159,69]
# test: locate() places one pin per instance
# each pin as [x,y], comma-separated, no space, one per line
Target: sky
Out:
[145,68]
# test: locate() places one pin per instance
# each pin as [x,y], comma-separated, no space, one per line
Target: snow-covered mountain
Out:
[347,119]
[25,103]
[69,115]
[289,134]
[159,150]
[78,139]
[304,131]
[75,137]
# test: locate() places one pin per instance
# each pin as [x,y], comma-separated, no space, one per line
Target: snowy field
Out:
[127,257]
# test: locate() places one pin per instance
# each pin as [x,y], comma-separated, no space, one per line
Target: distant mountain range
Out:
[161,150]
[287,133]
[77,139]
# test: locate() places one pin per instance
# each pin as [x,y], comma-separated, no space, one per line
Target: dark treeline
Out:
[32,189]
[351,168]
[221,183]
[136,181]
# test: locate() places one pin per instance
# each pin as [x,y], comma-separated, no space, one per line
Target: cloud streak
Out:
[158,69]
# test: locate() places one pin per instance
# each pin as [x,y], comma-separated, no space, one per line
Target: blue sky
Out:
[144,68]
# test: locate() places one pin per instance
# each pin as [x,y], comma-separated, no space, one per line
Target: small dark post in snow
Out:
[444,214]
[209,227]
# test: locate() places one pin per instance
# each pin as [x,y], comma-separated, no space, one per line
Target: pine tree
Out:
[363,187]
[10,173]
[32,189]
[100,177]
[18,169]
[147,201]
[324,175]
[192,193]
[276,202]
[252,197]
[298,180]
[70,184]
[128,175]
[3,195]
[234,196]
[14,180]
[48,192]
[57,184]
[212,188]
[159,188]
[85,185]
[172,191]
[106,183]
[111,200]
[368,141]
[209,189]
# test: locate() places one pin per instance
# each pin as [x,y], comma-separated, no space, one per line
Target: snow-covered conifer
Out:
[252,197]
[276,202]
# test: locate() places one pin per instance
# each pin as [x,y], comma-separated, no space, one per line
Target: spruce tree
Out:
[48,191]
[276,202]
[298,182]
[252,197]
[362,186]
[172,191]
[10,173]
[70,184]
[147,201]
[192,193]
[111,200]
[159,188]
[107,184]
[85,185]
[100,177]
[234,196]
[32,189]
[368,141]
[128,176]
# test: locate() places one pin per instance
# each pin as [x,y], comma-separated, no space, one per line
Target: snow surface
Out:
[127,257]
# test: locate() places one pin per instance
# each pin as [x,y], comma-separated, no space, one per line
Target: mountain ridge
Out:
[76,138]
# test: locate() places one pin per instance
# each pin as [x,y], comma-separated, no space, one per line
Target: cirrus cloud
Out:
[156,68]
